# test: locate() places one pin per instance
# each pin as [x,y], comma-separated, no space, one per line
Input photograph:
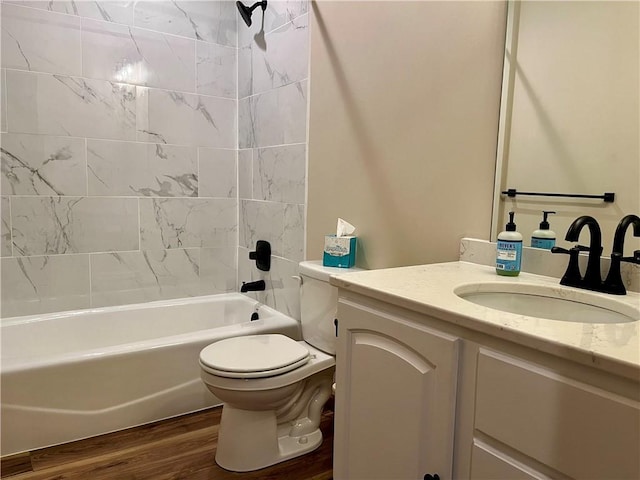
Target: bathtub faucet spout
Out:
[252,286]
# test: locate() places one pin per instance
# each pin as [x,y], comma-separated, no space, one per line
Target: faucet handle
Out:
[634,259]
[573,250]
[572,276]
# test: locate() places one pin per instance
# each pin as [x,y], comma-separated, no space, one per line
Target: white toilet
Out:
[274,388]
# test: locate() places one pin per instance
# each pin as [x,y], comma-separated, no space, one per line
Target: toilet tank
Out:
[319,304]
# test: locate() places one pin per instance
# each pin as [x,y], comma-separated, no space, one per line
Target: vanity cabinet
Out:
[395,397]
[418,395]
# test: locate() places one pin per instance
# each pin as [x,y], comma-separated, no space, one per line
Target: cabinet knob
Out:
[335,322]
[428,476]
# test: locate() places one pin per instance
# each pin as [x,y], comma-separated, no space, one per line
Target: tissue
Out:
[344,228]
[340,249]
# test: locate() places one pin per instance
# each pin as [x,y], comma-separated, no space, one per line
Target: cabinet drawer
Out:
[574,428]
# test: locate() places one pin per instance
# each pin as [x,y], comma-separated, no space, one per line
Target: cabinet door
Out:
[395,397]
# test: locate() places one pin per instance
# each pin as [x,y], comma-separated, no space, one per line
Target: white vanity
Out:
[429,383]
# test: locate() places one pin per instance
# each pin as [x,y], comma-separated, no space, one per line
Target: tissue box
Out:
[339,251]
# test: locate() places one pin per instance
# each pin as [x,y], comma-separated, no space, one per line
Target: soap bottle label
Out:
[509,255]
[546,243]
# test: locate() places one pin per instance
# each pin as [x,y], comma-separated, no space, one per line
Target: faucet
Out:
[256,286]
[613,283]
[592,279]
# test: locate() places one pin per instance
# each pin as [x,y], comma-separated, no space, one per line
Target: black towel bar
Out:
[608,197]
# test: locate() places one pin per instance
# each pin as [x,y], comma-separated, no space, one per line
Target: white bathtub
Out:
[72,375]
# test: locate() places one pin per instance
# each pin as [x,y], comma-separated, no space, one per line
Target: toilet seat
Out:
[318,361]
[253,356]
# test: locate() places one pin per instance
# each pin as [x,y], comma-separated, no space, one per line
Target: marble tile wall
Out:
[273,65]
[145,147]
[118,150]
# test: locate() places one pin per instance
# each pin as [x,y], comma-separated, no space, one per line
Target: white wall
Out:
[404,103]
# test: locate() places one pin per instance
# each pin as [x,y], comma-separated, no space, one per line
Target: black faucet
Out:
[613,283]
[256,286]
[592,279]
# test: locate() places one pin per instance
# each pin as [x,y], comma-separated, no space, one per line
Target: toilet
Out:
[273,387]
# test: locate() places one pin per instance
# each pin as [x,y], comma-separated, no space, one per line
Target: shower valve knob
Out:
[262,255]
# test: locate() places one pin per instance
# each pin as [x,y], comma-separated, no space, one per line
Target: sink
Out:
[549,302]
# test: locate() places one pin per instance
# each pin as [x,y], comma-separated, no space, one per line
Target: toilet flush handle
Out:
[298,278]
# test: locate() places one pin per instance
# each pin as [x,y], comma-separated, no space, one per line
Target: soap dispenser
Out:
[509,250]
[543,237]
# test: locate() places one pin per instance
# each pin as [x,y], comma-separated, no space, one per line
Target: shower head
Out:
[245,12]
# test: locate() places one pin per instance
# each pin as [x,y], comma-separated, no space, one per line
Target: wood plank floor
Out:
[178,448]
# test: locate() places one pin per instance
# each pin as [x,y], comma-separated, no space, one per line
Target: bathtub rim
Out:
[34,318]
[16,364]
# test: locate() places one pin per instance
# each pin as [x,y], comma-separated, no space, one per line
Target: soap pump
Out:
[543,237]
[509,250]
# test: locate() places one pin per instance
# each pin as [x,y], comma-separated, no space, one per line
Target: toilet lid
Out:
[254,356]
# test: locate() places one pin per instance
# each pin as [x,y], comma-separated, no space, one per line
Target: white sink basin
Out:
[553,303]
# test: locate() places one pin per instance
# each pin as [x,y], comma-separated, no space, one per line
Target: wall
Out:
[119,150]
[575,121]
[272,124]
[403,125]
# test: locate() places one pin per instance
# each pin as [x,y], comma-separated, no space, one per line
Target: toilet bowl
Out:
[274,388]
[268,419]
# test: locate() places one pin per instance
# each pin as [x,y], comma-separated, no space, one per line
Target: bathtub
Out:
[71,375]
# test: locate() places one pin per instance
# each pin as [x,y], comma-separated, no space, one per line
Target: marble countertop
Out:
[429,289]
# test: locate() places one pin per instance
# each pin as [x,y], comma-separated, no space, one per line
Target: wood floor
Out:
[178,448]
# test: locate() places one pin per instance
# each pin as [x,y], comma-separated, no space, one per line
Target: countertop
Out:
[429,290]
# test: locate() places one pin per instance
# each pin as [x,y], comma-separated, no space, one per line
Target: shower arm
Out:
[262,4]
[246,12]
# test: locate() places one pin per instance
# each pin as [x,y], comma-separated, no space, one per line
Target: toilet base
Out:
[251,440]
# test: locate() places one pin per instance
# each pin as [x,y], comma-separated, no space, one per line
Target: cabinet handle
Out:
[335,322]
[428,476]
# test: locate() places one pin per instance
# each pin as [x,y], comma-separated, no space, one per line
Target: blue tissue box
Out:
[339,251]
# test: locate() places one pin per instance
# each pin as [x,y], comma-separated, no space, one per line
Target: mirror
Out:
[569,119]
